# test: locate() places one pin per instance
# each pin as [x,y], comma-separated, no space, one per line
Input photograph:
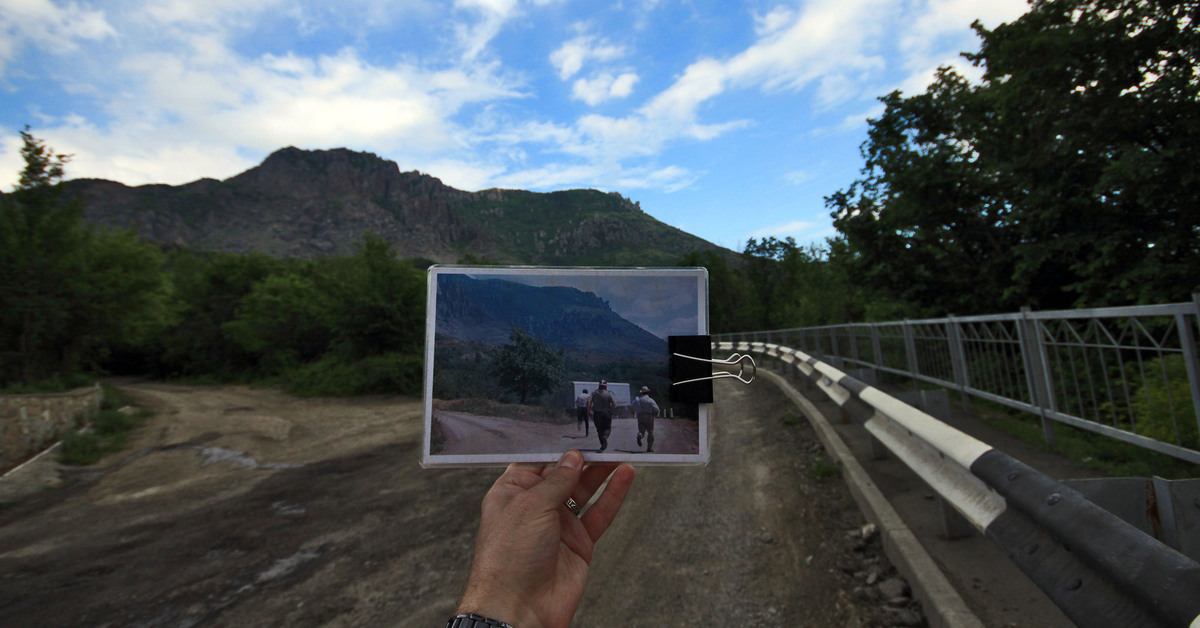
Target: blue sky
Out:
[729,120]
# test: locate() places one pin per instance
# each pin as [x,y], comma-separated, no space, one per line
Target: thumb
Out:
[559,483]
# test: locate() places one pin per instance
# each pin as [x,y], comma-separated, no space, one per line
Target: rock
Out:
[869,531]
[906,617]
[893,588]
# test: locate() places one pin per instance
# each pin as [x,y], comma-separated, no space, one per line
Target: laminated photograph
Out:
[523,364]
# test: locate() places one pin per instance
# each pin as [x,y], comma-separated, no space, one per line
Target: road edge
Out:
[943,606]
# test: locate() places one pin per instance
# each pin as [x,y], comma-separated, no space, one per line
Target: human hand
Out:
[532,553]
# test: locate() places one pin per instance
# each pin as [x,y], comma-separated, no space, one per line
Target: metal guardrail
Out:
[1131,373]
[1100,570]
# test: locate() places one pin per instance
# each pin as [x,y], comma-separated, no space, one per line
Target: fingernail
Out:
[571,460]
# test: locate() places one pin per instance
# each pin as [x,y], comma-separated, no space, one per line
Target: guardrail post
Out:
[1037,371]
[910,352]
[958,361]
[954,525]
[1187,340]
[833,343]
[877,348]
[853,333]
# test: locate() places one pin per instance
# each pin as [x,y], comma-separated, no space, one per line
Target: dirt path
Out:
[242,507]
[473,434]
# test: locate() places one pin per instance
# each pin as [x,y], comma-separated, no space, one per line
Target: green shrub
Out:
[81,448]
[332,376]
[1154,404]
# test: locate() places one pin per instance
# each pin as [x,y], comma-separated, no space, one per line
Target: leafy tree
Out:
[728,292]
[208,288]
[378,301]
[528,366]
[284,320]
[69,294]
[1067,177]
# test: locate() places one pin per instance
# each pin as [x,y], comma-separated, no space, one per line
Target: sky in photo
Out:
[663,302]
[729,120]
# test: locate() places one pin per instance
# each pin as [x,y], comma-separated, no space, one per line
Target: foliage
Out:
[1155,403]
[1067,177]
[527,366]
[107,434]
[70,294]
[333,376]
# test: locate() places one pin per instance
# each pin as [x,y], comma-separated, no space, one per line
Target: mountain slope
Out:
[300,203]
[486,310]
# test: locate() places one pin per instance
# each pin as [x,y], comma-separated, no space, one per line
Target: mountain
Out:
[301,203]
[485,311]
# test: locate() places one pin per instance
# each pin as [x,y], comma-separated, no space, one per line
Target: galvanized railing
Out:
[1131,373]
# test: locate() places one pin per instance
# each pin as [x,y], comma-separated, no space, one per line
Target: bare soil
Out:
[238,506]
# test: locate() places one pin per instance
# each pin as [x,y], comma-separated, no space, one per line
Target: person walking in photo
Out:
[600,408]
[581,413]
[645,409]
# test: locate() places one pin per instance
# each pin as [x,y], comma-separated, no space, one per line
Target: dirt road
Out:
[472,434]
[247,507]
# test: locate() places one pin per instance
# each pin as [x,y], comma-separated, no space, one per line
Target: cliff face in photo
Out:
[485,311]
[300,203]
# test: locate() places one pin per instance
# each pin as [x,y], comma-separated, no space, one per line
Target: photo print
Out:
[523,364]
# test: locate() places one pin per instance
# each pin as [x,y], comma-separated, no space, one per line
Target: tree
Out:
[1066,178]
[528,366]
[70,294]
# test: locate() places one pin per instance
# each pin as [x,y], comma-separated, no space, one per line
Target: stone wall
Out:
[29,423]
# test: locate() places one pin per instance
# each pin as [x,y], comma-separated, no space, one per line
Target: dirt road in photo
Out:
[473,434]
[247,507]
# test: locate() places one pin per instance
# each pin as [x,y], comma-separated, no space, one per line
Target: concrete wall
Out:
[30,423]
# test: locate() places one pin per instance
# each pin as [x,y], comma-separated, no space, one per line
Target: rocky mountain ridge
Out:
[301,203]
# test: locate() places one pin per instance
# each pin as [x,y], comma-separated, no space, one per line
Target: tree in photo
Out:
[527,366]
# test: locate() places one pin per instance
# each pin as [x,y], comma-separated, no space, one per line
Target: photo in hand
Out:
[523,364]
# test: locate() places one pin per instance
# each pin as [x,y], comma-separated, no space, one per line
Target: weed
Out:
[108,433]
[1096,451]
[820,468]
[791,419]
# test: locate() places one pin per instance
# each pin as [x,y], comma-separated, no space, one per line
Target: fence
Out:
[1131,373]
[1099,569]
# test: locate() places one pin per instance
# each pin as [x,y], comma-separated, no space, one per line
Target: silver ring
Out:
[573,506]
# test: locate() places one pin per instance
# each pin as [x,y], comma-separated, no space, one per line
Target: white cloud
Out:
[573,54]
[493,14]
[603,87]
[938,32]
[793,229]
[797,177]
[48,27]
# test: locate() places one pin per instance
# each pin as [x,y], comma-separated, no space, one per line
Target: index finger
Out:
[597,519]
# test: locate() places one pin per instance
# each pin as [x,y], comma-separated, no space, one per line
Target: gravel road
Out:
[238,506]
[473,434]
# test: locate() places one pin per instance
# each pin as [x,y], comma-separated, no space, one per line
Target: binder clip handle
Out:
[736,359]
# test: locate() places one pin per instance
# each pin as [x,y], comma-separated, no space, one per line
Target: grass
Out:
[819,468]
[1095,451]
[791,419]
[108,433]
[55,384]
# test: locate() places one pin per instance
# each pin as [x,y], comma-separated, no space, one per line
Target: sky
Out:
[729,120]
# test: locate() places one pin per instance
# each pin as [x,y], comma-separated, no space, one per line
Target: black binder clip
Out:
[691,368]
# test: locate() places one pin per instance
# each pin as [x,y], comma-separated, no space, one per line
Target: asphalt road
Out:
[237,507]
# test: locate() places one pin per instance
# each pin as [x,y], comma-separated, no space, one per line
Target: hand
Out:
[532,553]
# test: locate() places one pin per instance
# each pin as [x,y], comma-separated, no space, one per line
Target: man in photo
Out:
[581,413]
[645,409]
[600,408]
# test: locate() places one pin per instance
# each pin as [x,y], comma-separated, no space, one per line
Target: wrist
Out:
[496,607]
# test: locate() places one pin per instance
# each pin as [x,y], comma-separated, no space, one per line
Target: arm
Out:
[532,555]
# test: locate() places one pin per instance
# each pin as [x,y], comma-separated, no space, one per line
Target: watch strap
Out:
[474,621]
